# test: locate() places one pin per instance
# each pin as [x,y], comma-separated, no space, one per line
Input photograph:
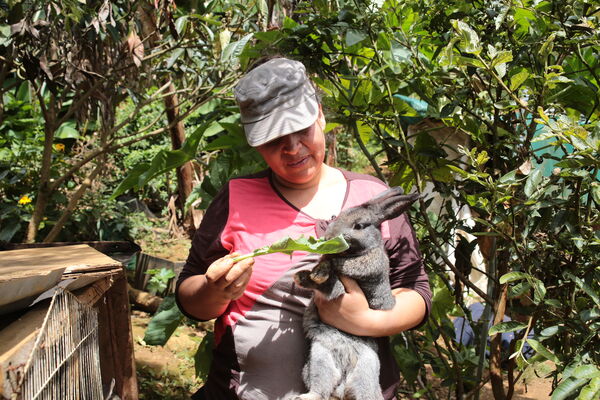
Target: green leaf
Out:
[550,331]
[287,245]
[174,56]
[5,34]
[567,387]
[513,276]
[542,350]
[164,322]
[532,184]
[539,290]
[353,37]
[508,326]
[587,371]
[591,391]
[585,287]
[233,50]
[203,357]
[469,40]
[517,79]
[501,58]
[68,130]
[595,190]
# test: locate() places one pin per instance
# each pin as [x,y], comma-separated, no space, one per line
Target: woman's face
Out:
[297,158]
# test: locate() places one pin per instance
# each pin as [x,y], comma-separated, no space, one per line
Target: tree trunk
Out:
[496,342]
[185,173]
[44,192]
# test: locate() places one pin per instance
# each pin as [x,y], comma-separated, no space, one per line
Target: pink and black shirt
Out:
[259,341]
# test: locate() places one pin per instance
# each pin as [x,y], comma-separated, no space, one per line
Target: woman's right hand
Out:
[229,277]
[208,295]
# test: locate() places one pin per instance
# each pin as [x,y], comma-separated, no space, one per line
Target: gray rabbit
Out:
[341,365]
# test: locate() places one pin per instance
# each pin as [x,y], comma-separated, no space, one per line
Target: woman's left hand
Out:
[349,312]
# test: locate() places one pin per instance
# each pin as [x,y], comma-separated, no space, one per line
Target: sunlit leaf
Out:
[68,130]
[508,326]
[310,244]
[542,350]
[513,276]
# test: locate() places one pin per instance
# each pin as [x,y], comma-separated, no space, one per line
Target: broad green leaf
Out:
[164,322]
[591,391]
[595,190]
[353,37]
[542,350]
[533,182]
[502,57]
[364,130]
[68,130]
[233,50]
[587,371]
[551,331]
[517,79]
[203,356]
[585,287]
[590,314]
[469,40]
[174,56]
[509,178]
[310,244]
[567,387]
[539,290]
[181,23]
[508,326]
[5,33]
[513,276]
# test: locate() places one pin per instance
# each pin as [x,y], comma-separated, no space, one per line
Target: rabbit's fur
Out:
[341,365]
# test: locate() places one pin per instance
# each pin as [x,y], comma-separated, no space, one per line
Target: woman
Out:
[260,345]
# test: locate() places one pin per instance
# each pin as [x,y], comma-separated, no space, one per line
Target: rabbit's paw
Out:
[303,279]
[320,273]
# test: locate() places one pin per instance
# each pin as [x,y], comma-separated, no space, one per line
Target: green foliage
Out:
[164,322]
[159,279]
[203,357]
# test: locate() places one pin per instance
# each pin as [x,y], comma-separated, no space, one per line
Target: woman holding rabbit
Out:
[259,341]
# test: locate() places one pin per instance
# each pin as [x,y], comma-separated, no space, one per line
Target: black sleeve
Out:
[206,244]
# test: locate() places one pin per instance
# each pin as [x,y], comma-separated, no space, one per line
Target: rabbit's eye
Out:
[359,226]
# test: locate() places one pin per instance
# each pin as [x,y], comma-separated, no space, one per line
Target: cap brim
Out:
[283,122]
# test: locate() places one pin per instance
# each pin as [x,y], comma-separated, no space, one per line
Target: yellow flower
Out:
[24,200]
[59,147]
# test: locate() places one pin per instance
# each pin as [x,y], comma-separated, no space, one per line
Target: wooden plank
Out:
[116,341]
[72,258]
[28,272]
[105,247]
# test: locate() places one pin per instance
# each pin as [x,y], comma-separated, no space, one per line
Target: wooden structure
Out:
[146,262]
[28,281]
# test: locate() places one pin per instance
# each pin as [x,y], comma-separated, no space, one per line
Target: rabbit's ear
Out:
[391,203]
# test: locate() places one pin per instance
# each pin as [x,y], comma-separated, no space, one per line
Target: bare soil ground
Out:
[165,372]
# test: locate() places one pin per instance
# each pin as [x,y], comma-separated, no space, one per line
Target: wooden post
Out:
[116,341]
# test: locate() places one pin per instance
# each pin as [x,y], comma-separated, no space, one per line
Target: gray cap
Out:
[275,99]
